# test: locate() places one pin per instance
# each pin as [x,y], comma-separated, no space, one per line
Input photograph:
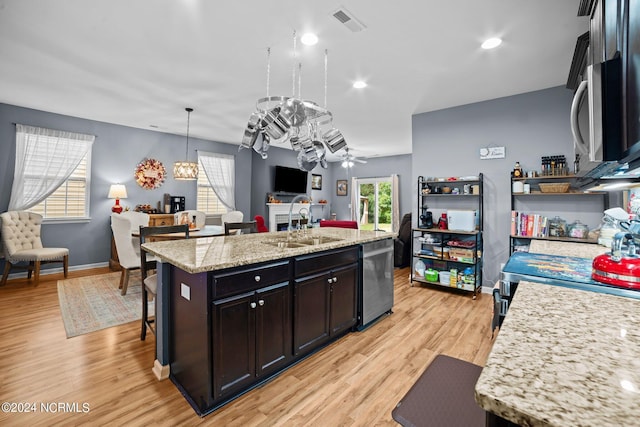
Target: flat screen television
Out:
[290,180]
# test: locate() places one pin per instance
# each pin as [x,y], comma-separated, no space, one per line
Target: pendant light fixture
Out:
[185,170]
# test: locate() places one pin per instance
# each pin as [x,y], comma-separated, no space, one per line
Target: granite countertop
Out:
[565,357]
[215,253]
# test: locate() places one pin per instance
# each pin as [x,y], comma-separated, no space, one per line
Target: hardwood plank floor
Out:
[356,381]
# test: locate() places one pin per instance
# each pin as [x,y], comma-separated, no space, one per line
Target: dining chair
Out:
[127,246]
[21,240]
[262,228]
[150,281]
[232,216]
[200,216]
[338,223]
[240,227]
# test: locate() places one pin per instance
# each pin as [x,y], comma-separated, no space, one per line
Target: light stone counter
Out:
[565,357]
[215,253]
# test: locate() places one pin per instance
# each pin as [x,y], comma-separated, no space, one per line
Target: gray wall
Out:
[375,167]
[116,152]
[447,143]
[263,176]
[262,181]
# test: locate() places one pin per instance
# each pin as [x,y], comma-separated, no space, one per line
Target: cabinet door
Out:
[273,328]
[343,312]
[234,360]
[311,312]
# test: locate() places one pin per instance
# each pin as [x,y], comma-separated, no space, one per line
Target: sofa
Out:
[402,243]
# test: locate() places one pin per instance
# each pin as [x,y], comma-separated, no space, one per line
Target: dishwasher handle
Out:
[367,254]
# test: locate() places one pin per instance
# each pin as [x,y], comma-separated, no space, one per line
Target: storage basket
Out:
[555,187]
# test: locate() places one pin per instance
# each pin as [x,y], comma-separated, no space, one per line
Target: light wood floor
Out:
[356,381]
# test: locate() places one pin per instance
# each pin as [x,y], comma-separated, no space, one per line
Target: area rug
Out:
[92,303]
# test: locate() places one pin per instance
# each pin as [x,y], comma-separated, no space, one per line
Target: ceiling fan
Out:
[349,159]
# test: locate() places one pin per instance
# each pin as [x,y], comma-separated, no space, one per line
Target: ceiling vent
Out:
[348,20]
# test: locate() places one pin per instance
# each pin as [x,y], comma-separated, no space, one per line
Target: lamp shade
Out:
[185,170]
[117,191]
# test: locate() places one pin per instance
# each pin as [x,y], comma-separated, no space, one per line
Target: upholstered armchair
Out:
[232,216]
[402,244]
[22,244]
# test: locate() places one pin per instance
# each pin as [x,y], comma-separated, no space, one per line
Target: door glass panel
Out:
[375,204]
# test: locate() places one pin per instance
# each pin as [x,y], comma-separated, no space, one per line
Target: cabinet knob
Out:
[253,305]
[261,302]
[257,278]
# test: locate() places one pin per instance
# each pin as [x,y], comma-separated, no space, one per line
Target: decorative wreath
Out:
[150,174]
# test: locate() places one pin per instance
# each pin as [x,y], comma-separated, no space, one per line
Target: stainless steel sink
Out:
[301,242]
[318,240]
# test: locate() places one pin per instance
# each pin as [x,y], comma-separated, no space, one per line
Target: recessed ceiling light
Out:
[309,39]
[360,84]
[491,43]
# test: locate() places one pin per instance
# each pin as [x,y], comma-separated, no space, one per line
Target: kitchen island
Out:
[233,311]
[565,357]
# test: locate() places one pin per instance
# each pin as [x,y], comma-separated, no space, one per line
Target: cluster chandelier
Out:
[184,169]
[304,124]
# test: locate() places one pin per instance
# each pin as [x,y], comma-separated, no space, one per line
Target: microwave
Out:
[461,220]
[595,116]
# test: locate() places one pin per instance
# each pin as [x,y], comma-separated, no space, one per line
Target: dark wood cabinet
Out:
[343,314]
[233,329]
[251,337]
[311,313]
[324,298]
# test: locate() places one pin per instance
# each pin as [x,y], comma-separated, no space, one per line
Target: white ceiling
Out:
[139,63]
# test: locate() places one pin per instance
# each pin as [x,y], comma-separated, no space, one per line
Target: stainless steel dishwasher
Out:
[377,280]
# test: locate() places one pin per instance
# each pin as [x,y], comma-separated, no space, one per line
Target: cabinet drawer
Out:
[247,279]
[324,261]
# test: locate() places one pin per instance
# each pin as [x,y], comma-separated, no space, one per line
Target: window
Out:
[70,200]
[52,172]
[207,201]
[216,183]
[375,197]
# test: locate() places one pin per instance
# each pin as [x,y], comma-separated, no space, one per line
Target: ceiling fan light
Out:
[360,84]
[345,164]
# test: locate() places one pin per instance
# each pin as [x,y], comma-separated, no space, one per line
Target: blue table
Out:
[558,270]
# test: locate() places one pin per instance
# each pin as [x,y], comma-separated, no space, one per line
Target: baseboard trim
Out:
[56,270]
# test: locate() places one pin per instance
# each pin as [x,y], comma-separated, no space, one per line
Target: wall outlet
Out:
[185,291]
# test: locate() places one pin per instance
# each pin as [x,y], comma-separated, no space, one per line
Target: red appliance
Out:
[616,267]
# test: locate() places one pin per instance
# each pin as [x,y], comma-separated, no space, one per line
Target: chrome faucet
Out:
[295,199]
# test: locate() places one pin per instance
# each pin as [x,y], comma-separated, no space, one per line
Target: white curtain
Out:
[355,200]
[220,170]
[395,203]
[45,158]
